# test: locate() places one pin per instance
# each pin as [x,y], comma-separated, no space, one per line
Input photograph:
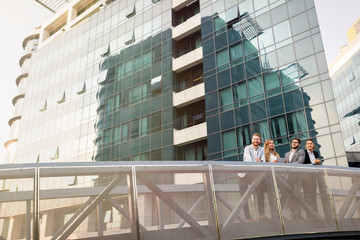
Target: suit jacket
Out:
[298,156]
[307,158]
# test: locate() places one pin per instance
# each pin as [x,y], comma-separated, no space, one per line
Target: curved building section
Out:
[29,44]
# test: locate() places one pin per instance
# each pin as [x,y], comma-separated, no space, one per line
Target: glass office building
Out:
[173,80]
[345,76]
[165,80]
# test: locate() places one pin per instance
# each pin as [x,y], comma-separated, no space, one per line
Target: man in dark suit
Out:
[296,155]
[310,181]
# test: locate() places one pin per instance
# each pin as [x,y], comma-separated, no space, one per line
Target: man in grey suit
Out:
[296,155]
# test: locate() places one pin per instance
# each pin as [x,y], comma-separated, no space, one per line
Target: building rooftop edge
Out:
[344,55]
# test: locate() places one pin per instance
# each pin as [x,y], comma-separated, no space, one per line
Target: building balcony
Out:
[186,28]
[187,60]
[13,119]
[9,142]
[178,4]
[189,95]
[170,200]
[24,58]
[20,94]
[20,78]
[14,133]
[190,134]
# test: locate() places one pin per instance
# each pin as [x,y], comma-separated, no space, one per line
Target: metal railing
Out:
[176,200]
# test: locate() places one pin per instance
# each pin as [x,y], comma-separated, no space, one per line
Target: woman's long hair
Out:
[267,151]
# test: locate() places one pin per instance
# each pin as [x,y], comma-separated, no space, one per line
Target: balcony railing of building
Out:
[190,115]
[189,78]
[187,44]
[177,200]
[185,13]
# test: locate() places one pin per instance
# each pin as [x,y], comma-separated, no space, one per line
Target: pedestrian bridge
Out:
[177,200]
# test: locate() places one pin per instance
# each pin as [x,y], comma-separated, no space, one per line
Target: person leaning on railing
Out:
[309,181]
[270,153]
[295,156]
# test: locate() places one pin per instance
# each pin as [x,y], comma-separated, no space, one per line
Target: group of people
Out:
[256,153]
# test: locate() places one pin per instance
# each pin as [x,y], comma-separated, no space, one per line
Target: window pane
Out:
[137,61]
[156,122]
[229,140]
[255,86]
[190,154]
[276,105]
[243,136]
[218,23]
[238,73]
[249,48]
[226,99]
[222,57]
[258,111]
[144,126]
[107,135]
[125,132]
[253,67]
[116,132]
[293,100]
[242,115]
[278,127]
[236,51]
[240,91]
[135,128]
[136,94]
[271,80]
[282,31]
[296,122]
[289,74]
[146,59]
[266,39]
[231,14]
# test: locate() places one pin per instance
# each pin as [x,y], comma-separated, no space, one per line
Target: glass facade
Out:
[167,80]
[346,84]
[265,71]
[103,89]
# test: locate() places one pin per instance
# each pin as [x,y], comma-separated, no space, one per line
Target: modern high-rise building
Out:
[128,80]
[172,80]
[345,75]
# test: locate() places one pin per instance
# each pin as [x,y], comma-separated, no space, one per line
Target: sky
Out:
[19,17]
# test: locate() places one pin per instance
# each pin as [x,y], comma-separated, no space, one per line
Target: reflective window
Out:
[222,57]
[255,86]
[275,105]
[271,80]
[293,100]
[278,127]
[258,111]
[282,31]
[252,67]
[236,52]
[240,91]
[229,142]
[219,24]
[226,99]
[243,136]
[238,73]
[296,122]
[231,14]
[242,115]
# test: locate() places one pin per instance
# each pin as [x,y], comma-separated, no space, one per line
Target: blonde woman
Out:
[270,153]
